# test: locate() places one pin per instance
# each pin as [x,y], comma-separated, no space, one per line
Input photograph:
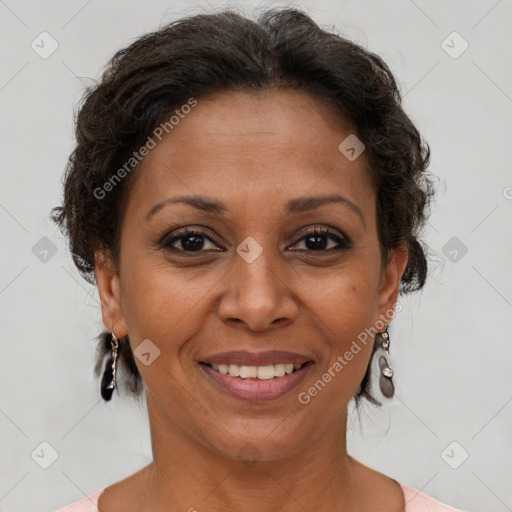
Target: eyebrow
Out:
[298,205]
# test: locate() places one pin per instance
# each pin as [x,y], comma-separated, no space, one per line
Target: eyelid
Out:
[196,229]
[343,242]
[322,229]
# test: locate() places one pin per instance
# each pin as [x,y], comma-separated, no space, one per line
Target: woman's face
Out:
[254,276]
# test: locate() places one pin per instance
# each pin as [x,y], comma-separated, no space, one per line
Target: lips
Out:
[246,358]
[253,389]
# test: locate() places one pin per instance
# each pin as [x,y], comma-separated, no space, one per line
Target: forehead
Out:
[241,146]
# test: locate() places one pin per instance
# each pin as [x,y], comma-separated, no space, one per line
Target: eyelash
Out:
[166,242]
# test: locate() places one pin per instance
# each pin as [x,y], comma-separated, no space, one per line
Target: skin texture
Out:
[253,152]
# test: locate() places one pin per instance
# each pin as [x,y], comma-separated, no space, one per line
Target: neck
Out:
[187,474]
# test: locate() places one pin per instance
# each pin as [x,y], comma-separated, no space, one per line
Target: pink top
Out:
[415,501]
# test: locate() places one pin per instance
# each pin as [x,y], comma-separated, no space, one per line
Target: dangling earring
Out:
[386,373]
[108,381]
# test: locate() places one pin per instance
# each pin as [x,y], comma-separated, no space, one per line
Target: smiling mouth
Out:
[266,372]
[257,384]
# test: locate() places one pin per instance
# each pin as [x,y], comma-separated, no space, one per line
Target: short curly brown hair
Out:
[207,53]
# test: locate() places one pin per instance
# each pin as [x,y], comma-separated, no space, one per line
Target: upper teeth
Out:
[256,372]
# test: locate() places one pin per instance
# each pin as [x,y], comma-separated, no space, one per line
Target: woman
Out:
[247,196]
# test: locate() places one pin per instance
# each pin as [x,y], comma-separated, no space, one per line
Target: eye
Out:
[317,240]
[188,240]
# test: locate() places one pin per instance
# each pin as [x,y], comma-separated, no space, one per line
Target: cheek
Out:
[347,297]
[346,309]
[162,303]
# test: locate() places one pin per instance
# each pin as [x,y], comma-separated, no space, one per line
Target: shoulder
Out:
[416,501]
[87,504]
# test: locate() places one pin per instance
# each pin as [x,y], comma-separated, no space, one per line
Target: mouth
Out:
[256,384]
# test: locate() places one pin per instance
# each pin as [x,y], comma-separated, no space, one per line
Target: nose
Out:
[259,295]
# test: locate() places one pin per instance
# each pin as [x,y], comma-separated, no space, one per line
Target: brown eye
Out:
[318,240]
[187,240]
[191,242]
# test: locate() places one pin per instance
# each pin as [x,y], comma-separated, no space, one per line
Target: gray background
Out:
[450,346]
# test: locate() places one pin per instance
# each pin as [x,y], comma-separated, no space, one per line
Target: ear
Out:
[107,279]
[391,277]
